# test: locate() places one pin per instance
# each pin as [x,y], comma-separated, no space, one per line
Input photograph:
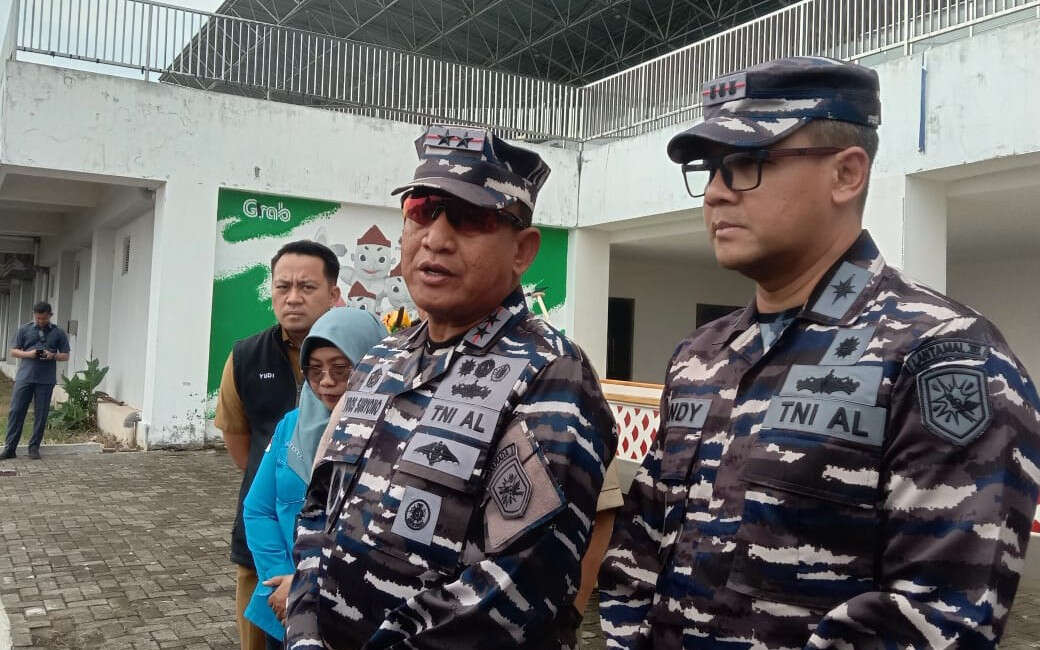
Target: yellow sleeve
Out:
[231,414]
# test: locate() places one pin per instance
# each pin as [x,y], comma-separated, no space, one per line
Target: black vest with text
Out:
[267,387]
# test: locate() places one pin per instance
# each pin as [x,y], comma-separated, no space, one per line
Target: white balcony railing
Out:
[224,53]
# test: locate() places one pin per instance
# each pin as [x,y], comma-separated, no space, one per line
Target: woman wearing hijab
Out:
[337,341]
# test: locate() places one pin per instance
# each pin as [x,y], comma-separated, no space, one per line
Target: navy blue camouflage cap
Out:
[477,166]
[764,104]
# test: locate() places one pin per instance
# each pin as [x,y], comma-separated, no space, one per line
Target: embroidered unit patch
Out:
[510,486]
[954,402]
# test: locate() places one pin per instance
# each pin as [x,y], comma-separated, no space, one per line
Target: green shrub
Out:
[79,412]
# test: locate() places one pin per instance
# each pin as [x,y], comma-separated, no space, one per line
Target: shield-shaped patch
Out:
[511,488]
[954,402]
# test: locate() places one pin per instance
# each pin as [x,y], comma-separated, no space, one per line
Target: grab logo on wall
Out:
[254,209]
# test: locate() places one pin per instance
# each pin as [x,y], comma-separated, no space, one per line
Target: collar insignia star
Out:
[843,289]
[480,332]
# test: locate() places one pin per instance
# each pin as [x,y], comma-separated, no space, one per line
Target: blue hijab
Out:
[351,330]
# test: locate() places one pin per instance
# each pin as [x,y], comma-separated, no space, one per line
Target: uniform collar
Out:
[837,299]
[482,336]
[285,338]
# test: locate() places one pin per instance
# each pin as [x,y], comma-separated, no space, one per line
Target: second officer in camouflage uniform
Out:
[852,460]
[453,504]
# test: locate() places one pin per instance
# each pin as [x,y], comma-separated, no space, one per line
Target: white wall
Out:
[1006,292]
[666,294]
[78,344]
[129,320]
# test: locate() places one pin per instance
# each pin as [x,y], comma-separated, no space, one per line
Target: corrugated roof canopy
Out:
[568,41]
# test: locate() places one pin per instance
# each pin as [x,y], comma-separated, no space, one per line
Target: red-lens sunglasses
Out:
[463,216]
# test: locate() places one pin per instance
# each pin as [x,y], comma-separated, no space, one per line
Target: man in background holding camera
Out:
[40,345]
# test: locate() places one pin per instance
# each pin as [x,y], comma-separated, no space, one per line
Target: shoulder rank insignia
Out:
[954,402]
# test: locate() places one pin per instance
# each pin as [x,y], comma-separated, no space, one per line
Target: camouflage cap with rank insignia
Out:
[477,166]
[765,103]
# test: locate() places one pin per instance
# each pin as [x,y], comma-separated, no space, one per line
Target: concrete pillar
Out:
[63,288]
[181,295]
[22,304]
[924,232]
[11,321]
[588,291]
[99,311]
[5,339]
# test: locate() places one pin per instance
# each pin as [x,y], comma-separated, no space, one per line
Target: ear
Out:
[528,241]
[335,293]
[851,173]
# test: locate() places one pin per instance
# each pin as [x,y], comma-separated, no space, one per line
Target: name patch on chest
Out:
[362,406]
[834,418]
[466,419]
[688,412]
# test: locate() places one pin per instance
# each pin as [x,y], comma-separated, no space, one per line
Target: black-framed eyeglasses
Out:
[338,372]
[742,171]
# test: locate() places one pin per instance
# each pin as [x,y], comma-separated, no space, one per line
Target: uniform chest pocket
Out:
[808,531]
[424,515]
[681,427]
[422,522]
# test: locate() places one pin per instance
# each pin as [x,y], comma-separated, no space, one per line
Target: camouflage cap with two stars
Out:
[478,167]
[764,104]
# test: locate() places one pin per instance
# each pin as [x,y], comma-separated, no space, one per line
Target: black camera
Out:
[40,352]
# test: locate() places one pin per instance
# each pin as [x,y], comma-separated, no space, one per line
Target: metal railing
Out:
[666,90]
[226,53]
[223,52]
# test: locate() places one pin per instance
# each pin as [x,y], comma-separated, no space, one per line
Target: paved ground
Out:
[129,550]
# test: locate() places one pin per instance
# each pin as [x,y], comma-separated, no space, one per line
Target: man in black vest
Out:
[260,384]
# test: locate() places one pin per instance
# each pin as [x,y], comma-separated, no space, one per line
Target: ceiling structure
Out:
[566,41]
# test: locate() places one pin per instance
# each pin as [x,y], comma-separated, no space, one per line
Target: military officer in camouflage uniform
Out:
[454,501]
[851,461]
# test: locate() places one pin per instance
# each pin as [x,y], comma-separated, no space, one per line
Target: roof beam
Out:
[607,5]
[470,17]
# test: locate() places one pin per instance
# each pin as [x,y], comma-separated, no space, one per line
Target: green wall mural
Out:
[251,227]
[549,272]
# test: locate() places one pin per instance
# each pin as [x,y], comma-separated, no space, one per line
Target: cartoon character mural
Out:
[397,293]
[362,298]
[372,260]
[251,227]
[367,266]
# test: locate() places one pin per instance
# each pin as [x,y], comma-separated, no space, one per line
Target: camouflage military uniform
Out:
[868,480]
[454,502]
